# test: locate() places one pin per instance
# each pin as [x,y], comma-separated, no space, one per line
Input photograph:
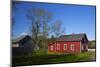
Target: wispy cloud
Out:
[24,33]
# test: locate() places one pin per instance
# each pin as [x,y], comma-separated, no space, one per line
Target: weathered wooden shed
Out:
[23,45]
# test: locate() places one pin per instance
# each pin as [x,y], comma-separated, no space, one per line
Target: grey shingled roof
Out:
[16,40]
[72,37]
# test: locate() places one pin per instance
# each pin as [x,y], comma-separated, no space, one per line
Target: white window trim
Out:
[64,46]
[58,46]
[51,48]
[72,47]
[15,45]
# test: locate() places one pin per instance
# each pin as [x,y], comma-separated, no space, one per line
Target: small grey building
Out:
[23,45]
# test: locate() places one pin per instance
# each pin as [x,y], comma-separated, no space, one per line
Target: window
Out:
[51,48]
[15,45]
[72,47]
[65,46]
[58,46]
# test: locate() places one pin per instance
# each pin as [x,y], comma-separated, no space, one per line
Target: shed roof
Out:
[18,39]
[71,37]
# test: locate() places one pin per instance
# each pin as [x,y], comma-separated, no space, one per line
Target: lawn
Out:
[40,58]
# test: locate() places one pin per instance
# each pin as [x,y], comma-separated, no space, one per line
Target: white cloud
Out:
[24,33]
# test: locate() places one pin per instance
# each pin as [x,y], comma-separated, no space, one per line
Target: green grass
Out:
[40,58]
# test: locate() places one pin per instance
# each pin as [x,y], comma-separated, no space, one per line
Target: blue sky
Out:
[75,18]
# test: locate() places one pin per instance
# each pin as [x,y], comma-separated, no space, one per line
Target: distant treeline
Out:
[92,44]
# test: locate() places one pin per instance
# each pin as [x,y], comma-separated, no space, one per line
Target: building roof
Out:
[18,39]
[71,37]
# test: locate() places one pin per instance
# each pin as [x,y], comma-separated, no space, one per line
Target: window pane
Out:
[72,47]
[65,46]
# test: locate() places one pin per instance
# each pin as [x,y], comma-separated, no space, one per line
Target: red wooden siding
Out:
[61,47]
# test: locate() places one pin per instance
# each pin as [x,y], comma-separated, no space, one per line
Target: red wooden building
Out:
[74,43]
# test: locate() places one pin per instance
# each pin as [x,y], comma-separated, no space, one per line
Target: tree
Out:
[39,24]
[52,39]
[46,18]
[57,28]
[34,16]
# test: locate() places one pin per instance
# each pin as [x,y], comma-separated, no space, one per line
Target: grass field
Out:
[40,58]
